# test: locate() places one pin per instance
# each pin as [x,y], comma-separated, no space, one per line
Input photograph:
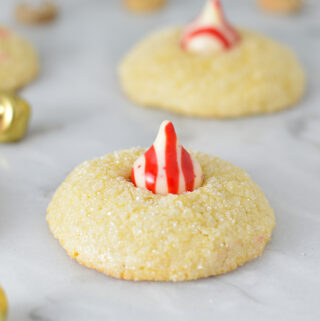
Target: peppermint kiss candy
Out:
[167,167]
[210,32]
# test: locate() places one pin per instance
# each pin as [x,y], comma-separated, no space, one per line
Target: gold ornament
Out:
[14,117]
[3,305]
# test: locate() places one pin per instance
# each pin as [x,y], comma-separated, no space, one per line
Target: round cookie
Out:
[257,76]
[106,223]
[18,61]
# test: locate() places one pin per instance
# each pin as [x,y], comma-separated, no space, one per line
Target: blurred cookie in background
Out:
[19,63]
[36,12]
[281,6]
[208,68]
[144,5]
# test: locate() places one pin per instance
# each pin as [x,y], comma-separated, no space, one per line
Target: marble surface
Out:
[79,113]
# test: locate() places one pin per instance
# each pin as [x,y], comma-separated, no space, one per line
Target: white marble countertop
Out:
[79,113]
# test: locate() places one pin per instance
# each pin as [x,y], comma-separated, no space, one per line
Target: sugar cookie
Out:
[18,61]
[212,71]
[107,223]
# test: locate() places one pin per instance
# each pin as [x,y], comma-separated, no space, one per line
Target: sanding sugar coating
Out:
[258,75]
[18,61]
[106,223]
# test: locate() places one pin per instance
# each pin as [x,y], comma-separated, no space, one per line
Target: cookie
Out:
[212,69]
[144,5]
[281,6]
[18,61]
[106,223]
[42,12]
[258,76]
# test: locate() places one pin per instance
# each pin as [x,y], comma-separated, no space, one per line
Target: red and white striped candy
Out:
[167,167]
[210,32]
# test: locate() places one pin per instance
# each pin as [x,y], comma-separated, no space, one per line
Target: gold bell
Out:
[14,117]
[3,305]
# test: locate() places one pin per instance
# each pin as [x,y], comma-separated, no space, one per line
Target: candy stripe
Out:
[166,167]
[208,31]
[220,35]
[217,5]
[133,179]
[187,170]
[151,169]
[172,168]
[232,32]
